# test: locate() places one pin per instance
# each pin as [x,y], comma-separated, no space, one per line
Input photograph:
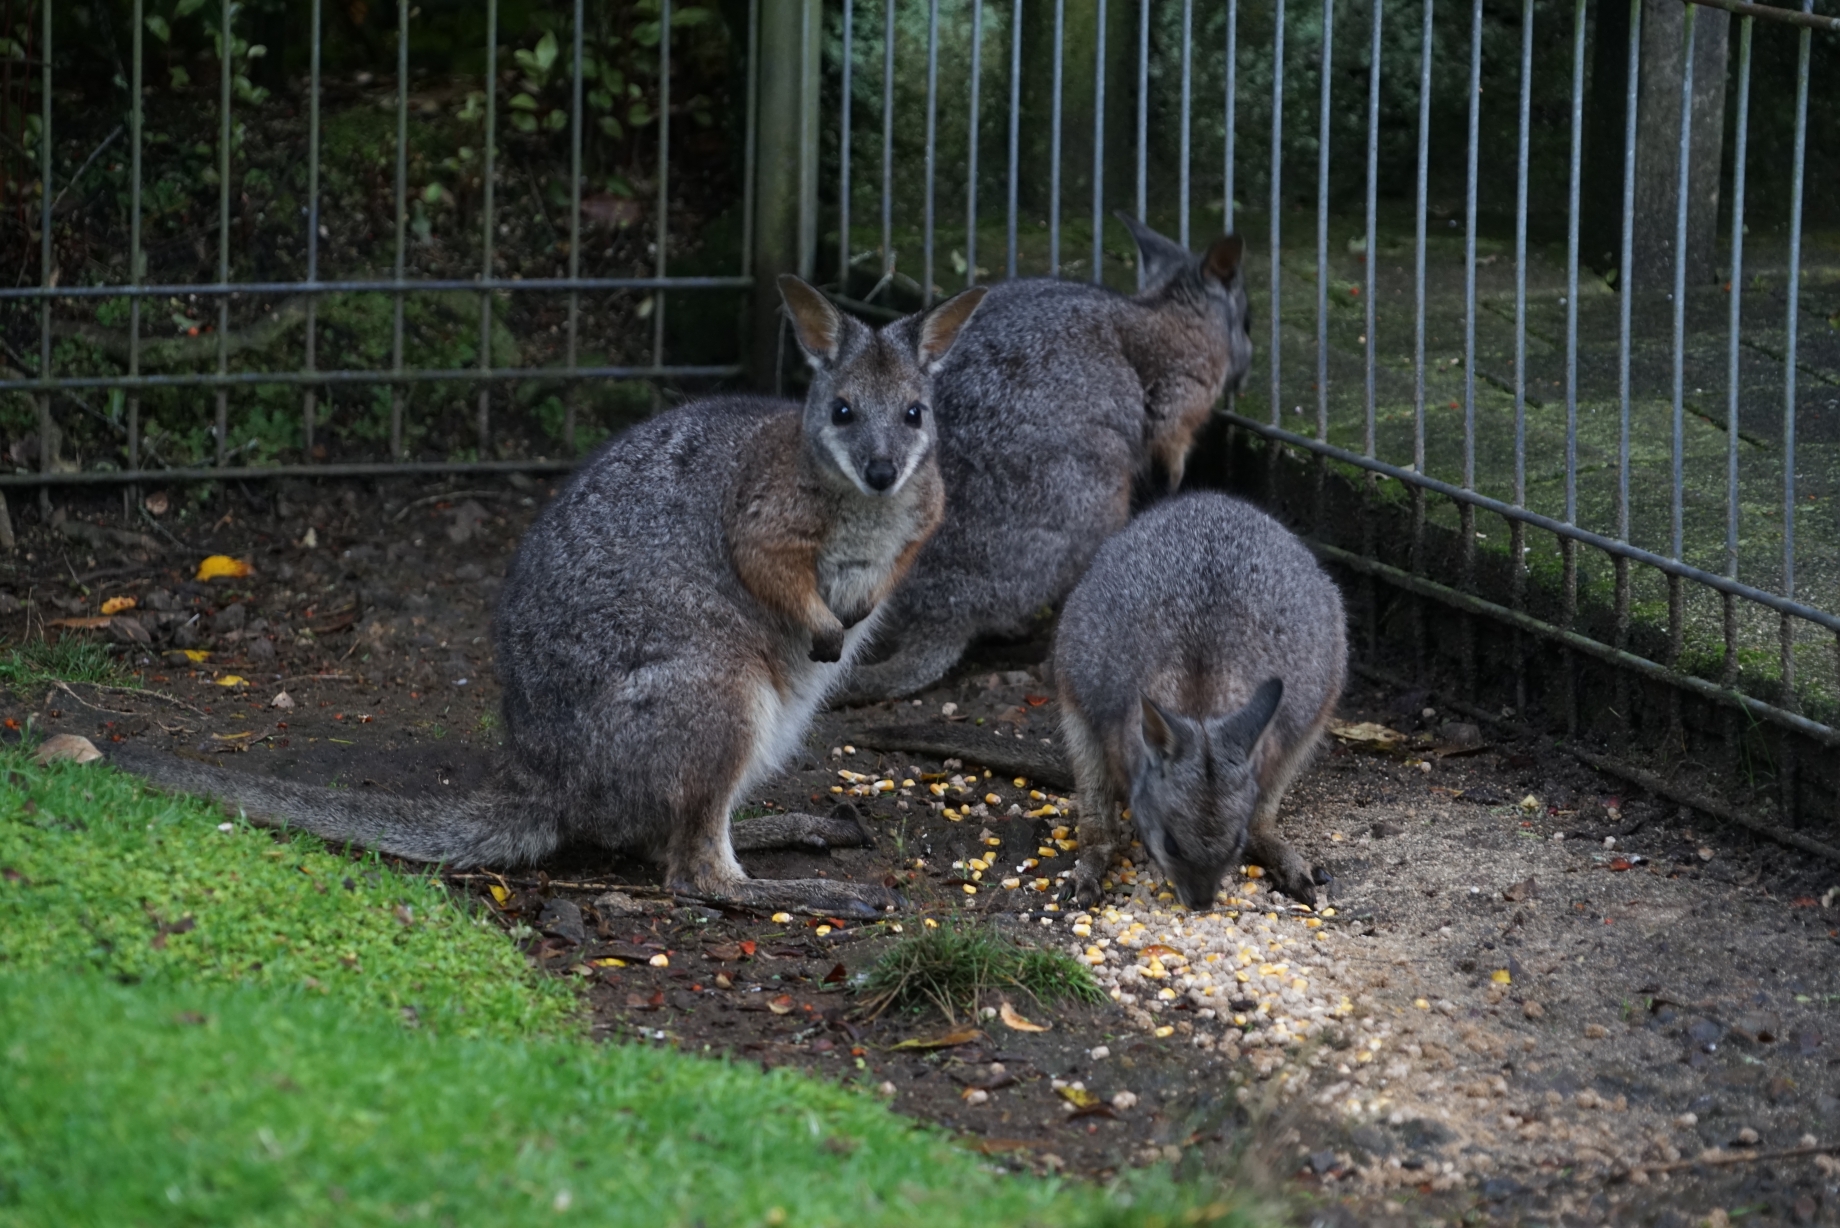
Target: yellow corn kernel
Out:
[936,789]
[930,923]
[991,799]
[1010,884]
[1020,783]
[822,930]
[836,788]
[1044,851]
[970,890]
[1036,795]
[1040,884]
[1163,1031]
[780,918]
[660,960]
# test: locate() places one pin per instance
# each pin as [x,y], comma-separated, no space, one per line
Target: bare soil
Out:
[1667,999]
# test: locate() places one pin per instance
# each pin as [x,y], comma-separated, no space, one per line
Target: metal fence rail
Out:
[311,377]
[1742,584]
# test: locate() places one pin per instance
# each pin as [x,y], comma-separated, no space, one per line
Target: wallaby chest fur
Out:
[1063,399]
[1205,641]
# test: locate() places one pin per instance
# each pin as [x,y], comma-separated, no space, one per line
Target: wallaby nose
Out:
[879,474]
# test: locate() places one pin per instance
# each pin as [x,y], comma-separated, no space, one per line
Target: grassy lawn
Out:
[205,1026]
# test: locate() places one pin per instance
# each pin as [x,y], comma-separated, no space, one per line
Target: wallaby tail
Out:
[487,827]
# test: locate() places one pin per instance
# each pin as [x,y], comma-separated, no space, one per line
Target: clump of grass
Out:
[38,662]
[953,968]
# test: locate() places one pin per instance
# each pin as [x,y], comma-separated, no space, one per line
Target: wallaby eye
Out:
[915,413]
[1171,849]
[841,413]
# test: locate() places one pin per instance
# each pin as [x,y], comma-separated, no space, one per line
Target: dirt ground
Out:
[1539,998]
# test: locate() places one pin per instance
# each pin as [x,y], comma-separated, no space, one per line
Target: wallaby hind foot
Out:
[817,897]
[842,830]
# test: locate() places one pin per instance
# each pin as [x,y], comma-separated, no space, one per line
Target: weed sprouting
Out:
[39,662]
[954,967]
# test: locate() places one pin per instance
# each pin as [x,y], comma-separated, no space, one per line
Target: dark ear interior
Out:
[817,324]
[940,327]
[1241,730]
[1222,259]
[1159,254]
[1162,730]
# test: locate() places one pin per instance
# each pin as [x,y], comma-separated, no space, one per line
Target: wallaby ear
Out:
[1163,730]
[1222,260]
[1241,730]
[940,327]
[818,324]
[1157,254]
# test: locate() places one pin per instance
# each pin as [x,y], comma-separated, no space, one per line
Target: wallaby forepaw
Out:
[1298,881]
[827,647]
[1082,890]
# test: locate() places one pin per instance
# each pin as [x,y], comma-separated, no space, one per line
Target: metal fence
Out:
[1741,624]
[310,377]
[1722,605]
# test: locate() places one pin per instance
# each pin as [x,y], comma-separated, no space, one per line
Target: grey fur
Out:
[1063,399]
[671,622]
[1198,663]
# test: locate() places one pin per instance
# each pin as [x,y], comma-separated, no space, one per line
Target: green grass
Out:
[98,873]
[255,1067]
[217,1105]
[953,968]
[39,663]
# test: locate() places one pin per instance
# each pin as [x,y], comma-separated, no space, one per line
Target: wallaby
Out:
[1197,664]
[673,619]
[1063,400]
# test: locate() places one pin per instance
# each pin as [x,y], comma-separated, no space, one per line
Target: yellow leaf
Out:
[499,894]
[1011,1019]
[115,605]
[195,655]
[1367,735]
[952,1039]
[1500,977]
[232,680]
[1078,1097]
[599,963]
[222,565]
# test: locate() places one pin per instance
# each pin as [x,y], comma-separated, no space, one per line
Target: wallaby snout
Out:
[879,474]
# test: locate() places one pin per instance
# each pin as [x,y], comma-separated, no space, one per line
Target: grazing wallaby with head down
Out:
[1063,398]
[673,619]
[1197,662]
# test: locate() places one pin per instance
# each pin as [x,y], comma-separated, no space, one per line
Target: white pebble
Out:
[1099,1053]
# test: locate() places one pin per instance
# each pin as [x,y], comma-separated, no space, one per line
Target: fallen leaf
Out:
[781,1005]
[1101,1109]
[1619,864]
[1368,736]
[1011,1019]
[1034,701]
[157,503]
[499,894]
[1501,976]
[1529,890]
[223,566]
[747,947]
[67,746]
[232,680]
[837,975]
[957,1036]
[722,951]
[1078,1097]
[1804,901]
[195,655]
[89,623]
[283,701]
[115,605]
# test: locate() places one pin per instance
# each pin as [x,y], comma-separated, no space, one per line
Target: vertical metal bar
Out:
[574,321]
[1098,171]
[45,456]
[1232,92]
[971,152]
[1418,271]
[489,155]
[227,70]
[1277,197]
[1015,120]
[1792,326]
[1676,509]
[134,242]
[1054,144]
[662,259]
[1630,100]
[1735,289]
[888,138]
[1371,341]
[1469,261]
[932,146]
[1322,225]
[1188,55]
[402,221]
[309,400]
[844,107]
[1571,264]
[1143,116]
[1520,277]
[748,141]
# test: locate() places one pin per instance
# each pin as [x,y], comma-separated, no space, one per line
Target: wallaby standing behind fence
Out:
[1198,663]
[1062,399]
[673,619]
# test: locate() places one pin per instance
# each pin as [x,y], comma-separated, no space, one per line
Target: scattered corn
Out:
[780,918]
[660,960]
